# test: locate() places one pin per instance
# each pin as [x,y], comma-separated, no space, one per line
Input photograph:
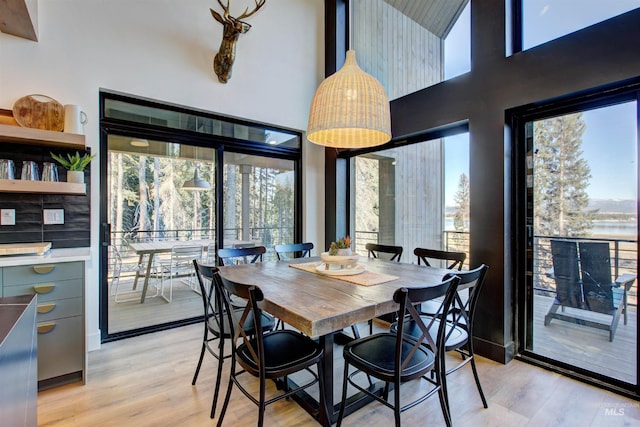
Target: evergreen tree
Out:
[461,217]
[561,178]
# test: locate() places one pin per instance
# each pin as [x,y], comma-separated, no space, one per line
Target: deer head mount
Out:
[232,28]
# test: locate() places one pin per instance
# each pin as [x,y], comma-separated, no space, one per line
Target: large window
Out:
[412,196]
[582,238]
[410,45]
[545,20]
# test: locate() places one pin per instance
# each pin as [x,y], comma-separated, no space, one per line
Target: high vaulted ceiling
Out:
[437,16]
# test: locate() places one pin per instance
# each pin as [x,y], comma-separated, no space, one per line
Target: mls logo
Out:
[614,411]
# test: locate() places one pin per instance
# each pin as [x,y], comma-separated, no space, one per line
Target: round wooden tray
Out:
[347,271]
[39,112]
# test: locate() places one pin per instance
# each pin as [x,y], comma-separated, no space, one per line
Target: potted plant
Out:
[341,247]
[75,165]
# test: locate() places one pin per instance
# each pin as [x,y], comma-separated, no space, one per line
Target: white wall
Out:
[164,49]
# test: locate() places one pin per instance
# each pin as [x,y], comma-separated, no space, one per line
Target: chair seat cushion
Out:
[268,323]
[284,351]
[375,354]
[456,338]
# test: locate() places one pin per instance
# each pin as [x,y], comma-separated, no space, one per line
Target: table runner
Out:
[368,278]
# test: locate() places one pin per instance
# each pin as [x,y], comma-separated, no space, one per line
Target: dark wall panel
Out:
[29,228]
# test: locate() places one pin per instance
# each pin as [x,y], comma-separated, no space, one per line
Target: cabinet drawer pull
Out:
[46,308]
[44,328]
[44,289]
[44,269]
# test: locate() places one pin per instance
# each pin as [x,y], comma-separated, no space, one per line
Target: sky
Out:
[610,139]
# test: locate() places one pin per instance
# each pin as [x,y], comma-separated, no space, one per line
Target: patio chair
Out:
[119,267]
[180,265]
[582,272]
[293,250]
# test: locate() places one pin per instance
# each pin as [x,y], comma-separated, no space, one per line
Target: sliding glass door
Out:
[150,201]
[580,181]
[259,201]
[174,177]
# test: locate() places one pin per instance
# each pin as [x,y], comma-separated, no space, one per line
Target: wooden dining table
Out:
[320,306]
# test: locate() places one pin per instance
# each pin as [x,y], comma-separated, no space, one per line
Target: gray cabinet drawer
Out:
[40,273]
[48,291]
[59,309]
[60,347]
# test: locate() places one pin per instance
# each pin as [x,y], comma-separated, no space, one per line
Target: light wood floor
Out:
[146,381]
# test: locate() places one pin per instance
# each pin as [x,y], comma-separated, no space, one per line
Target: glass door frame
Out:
[522,232]
[110,125]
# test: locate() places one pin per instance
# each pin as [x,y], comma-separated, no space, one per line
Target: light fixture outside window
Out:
[139,142]
[197,183]
[350,109]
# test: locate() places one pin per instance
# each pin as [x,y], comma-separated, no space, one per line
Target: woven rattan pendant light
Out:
[350,109]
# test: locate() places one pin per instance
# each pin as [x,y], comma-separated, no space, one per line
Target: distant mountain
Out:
[613,205]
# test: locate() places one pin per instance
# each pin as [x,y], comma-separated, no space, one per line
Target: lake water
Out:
[627,229]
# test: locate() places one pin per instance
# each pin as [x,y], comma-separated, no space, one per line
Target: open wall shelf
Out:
[41,187]
[42,138]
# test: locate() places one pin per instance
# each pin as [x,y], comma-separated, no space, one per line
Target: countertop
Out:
[11,308]
[54,255]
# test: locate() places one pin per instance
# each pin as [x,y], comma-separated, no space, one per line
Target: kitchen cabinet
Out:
[46,139]
[60,317]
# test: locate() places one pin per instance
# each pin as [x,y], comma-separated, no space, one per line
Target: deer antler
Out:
[259,4]
[225,8]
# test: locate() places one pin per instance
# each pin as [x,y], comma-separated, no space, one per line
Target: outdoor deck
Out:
[586,346]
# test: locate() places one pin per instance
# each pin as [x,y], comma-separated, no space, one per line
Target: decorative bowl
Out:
[339,259]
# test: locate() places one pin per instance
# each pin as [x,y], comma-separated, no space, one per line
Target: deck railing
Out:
[623,256]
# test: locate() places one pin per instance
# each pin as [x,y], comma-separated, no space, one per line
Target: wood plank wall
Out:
[396,50]
[405,57]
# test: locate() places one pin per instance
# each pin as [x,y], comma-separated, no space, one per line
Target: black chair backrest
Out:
[595,263]
[456,259]
[253,295]
[293,250]
[375,250]
[210,295]
[233,256]
[408,298]
[462,313]
[566,272]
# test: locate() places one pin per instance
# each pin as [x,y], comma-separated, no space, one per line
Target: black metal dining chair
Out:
[454,259]
[234,256]
[374,250]
[396,358]
[459,323]
[216,324]
[293,250]
[391,253]
[269,355]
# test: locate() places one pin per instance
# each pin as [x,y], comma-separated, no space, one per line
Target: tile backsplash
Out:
[29,223]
